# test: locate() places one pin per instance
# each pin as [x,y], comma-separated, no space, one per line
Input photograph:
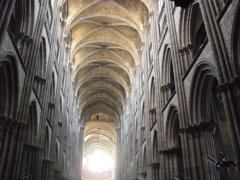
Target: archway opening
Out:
[99,151]
[98,161]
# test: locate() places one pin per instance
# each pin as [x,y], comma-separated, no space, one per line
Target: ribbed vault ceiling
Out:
[106,37]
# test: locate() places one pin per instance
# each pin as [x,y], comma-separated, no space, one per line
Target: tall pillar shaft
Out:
[6,8]
[11,148]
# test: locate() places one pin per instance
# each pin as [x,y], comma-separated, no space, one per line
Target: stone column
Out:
[229,93]
[11,134]
[39,157]
[183,114]
[47,170]
[155,170]
[202,154]
[31,63]
[29,161]
[186,154]
[225,73]
[191,164]
[81,141]
[118,156]
[171,165]
[6,8]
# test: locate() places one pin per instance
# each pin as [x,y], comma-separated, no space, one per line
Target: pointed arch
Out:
[42,59]
[52,89]
[152,103]
[32,126]
[210,116]
[203,72]
[155,148]
[144,162]
[152,94]
[47,142]
[143,122]
[8,87]
[172,127]
[29,155]
[136,130]
[235,44]
[137,167]
[167,69]
[192,29]
[155,157]
[22,19]
[167,72]
[174,143]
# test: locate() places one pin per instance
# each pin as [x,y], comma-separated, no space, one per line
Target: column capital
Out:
[11,124]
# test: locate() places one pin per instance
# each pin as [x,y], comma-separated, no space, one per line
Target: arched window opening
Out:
[46,143]
[31,135]
[144,165]
[159,28]
[60,119]
[152,110]
[137,169]
[22,24]
[136,132]
[12,22]
[152,94]
[155,161]
[29,153]
[131,139]
[178,146]
[155,148]
[197,28]
[201,36]
[39,68]
[57,154]
[42,59]
[172,79]
[40,71]
[52,90]
[8,87]
[173,152]
[168,79]
[143,124]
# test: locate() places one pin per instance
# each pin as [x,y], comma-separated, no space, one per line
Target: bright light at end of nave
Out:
[98,161]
